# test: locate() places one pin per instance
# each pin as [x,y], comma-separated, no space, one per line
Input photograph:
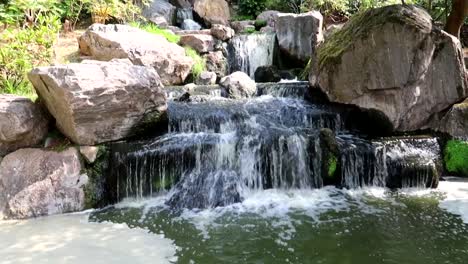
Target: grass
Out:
[200,63]
[456,157]
[66,48]
[332,165]
[151,28]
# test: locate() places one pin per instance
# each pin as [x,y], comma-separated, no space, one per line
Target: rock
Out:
[332,29]
[265,74]
[89,153]
[299,35]
[238,85]
[454,122]
[206,78]
[107,42]
[242,26]
[217,63]
[34,182]
[160,8]
[160,21]
[330,154]
[199,42]
[267,30]
[270,16]
[189,24]
[22,123]
[194,32]
[183,4]
[221,32]
[287,75]
[95,102]
[394,61]
[213,11]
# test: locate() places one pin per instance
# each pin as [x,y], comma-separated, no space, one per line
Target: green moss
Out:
[151,28]
[94,189]
[305,73]
[259,23]
[250,31]
[332,165]
[456,157]
[200,62]
[359,27]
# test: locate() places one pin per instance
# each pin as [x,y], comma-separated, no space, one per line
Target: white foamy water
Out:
[72,239]
[456,201]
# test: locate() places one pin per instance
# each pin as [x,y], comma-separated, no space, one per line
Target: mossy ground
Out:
[456,157]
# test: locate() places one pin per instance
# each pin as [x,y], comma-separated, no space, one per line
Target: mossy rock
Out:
[362,24]
[95,188]
[456,157]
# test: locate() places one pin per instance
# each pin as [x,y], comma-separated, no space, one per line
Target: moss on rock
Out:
[456,157]
[95,188]
[359,27]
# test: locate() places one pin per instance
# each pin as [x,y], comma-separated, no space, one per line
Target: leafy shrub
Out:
[200,63]
[456,157]
[23,48]
[251,7]
[260,23]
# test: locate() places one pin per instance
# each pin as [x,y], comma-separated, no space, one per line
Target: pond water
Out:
[328,225]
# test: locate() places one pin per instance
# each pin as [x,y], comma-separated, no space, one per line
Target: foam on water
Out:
[456,200]
[72,239]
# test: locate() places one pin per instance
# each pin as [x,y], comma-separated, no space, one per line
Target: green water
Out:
[324,226]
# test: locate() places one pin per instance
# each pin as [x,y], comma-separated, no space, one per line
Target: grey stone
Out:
[199,42]
[238,85]
[22,123]
[160,8]
[222,32]
[213,11]
[95,102]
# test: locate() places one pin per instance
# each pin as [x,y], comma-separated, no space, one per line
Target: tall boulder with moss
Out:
[95,102]
[394,60]
[454,122]
[107,42]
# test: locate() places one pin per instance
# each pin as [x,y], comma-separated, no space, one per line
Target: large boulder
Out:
[393,60]
[266,74]
[299,34]
[35,182]
[454,122]
[216,62]
[243,26]
[222,32]
[213,11]
[22,123]
[269,16]
[206,78]
[107,42]
[160,8]
[200,42]
[238,85]
[95,102]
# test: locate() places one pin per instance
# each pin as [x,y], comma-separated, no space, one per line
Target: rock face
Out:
[107,42]
[213,11]
[95,102]
[22,123]
[217,63]
[206,78]
[270,16]
[221,32]
[265,74]
[242,26]
[199,42]
[36,182]
[238,85]
[393,60]
[455,121]
[160,8]
[299,35]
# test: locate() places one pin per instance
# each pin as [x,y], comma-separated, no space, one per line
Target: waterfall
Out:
[247,52]
[183,14]
[219,151]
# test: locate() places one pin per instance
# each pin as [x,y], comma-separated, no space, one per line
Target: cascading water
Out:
[219,151]
[247,52]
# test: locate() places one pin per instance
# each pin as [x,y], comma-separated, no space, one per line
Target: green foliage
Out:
[22,49]
[251,7]
[260,23]
[200,63]
[305,73]
[332,165]
[123,10]
[456,157]
[249,31]
[151,28]
[72,10]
